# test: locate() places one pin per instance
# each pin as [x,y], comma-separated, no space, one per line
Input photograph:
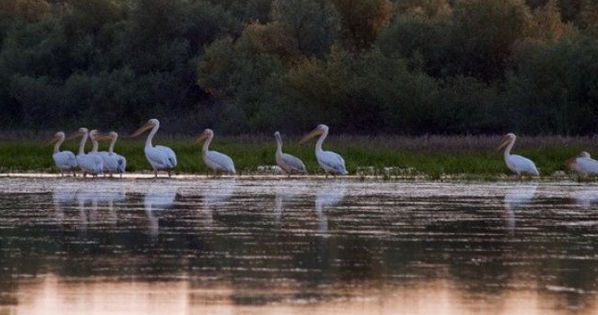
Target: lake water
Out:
[73,246]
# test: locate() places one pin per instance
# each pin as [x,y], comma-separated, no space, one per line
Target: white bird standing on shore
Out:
[583,164]
[516,163]
[65,160]
[288,163]
[113,162]
[215,160]
[160,157]
[331,162]
[88,163]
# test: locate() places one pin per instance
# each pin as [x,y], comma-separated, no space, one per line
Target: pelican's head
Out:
[79,133]
[148,125]
[94,134]
[206,134]
[584,154]
[506,139]
[57,136]
[320,129]
[107,136]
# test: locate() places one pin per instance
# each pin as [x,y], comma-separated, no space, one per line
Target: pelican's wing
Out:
[294,163]
[523,164]
[65,159]
[171,156]
[161,156]
[224,162]
[587,165]
[334,161]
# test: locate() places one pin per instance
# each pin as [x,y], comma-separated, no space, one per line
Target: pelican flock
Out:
[518,164]
[162,158]
[65,160]
[330,162]
[583,164]
[89,163]
[217,161]
[113,162]
[288,163]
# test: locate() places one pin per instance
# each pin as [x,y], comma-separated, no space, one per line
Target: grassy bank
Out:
[432,156]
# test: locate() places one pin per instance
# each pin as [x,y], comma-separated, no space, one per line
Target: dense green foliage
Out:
[361,66]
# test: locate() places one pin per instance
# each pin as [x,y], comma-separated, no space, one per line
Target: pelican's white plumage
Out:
[88,163]
[159,157]
[65,160]
[113,162]
[517,163]
[215,160]
[288,163]
[331,162]
[584,164]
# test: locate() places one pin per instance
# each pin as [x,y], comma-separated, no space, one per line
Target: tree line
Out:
[252,66]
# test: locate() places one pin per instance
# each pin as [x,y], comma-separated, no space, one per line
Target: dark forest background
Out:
[251,66]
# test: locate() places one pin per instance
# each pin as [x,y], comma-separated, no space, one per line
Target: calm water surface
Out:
[69,246]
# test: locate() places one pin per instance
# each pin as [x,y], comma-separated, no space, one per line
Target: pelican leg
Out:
[74,174]
[169,174]
[155,173]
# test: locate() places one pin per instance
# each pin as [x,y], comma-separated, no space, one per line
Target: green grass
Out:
[433,157]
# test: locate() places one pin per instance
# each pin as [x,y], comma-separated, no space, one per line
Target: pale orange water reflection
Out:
[52,295]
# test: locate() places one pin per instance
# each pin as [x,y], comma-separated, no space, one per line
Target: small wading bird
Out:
[288,163]
[583,164]
[88,163]
[113,162]
[516,163]
[215,160]
[65,160]
[160,157]
[331,162]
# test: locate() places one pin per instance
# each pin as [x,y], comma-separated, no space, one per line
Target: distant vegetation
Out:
[247,66]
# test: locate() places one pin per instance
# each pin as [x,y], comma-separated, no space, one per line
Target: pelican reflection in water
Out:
[326,197]
[515,198]
[157,198]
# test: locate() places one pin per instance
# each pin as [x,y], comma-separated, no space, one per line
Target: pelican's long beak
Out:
[312,134]
[141,130]
[570,162]
[201,138]
[503,143]
[75,135]
[103,137]
[53,140]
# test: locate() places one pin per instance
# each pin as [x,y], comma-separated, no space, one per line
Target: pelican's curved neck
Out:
[150,137]
[58,144]
[111,148]
[206,144]
[82,143]
[94,147]
[278,145]
[321,140]
[508,148]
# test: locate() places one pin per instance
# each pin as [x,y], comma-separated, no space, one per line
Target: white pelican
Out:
[288,163]
[160,157]
[331,162]
[113,162]
[64,160]
[516,163]
[584,164]
[215,160]
[88,163]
